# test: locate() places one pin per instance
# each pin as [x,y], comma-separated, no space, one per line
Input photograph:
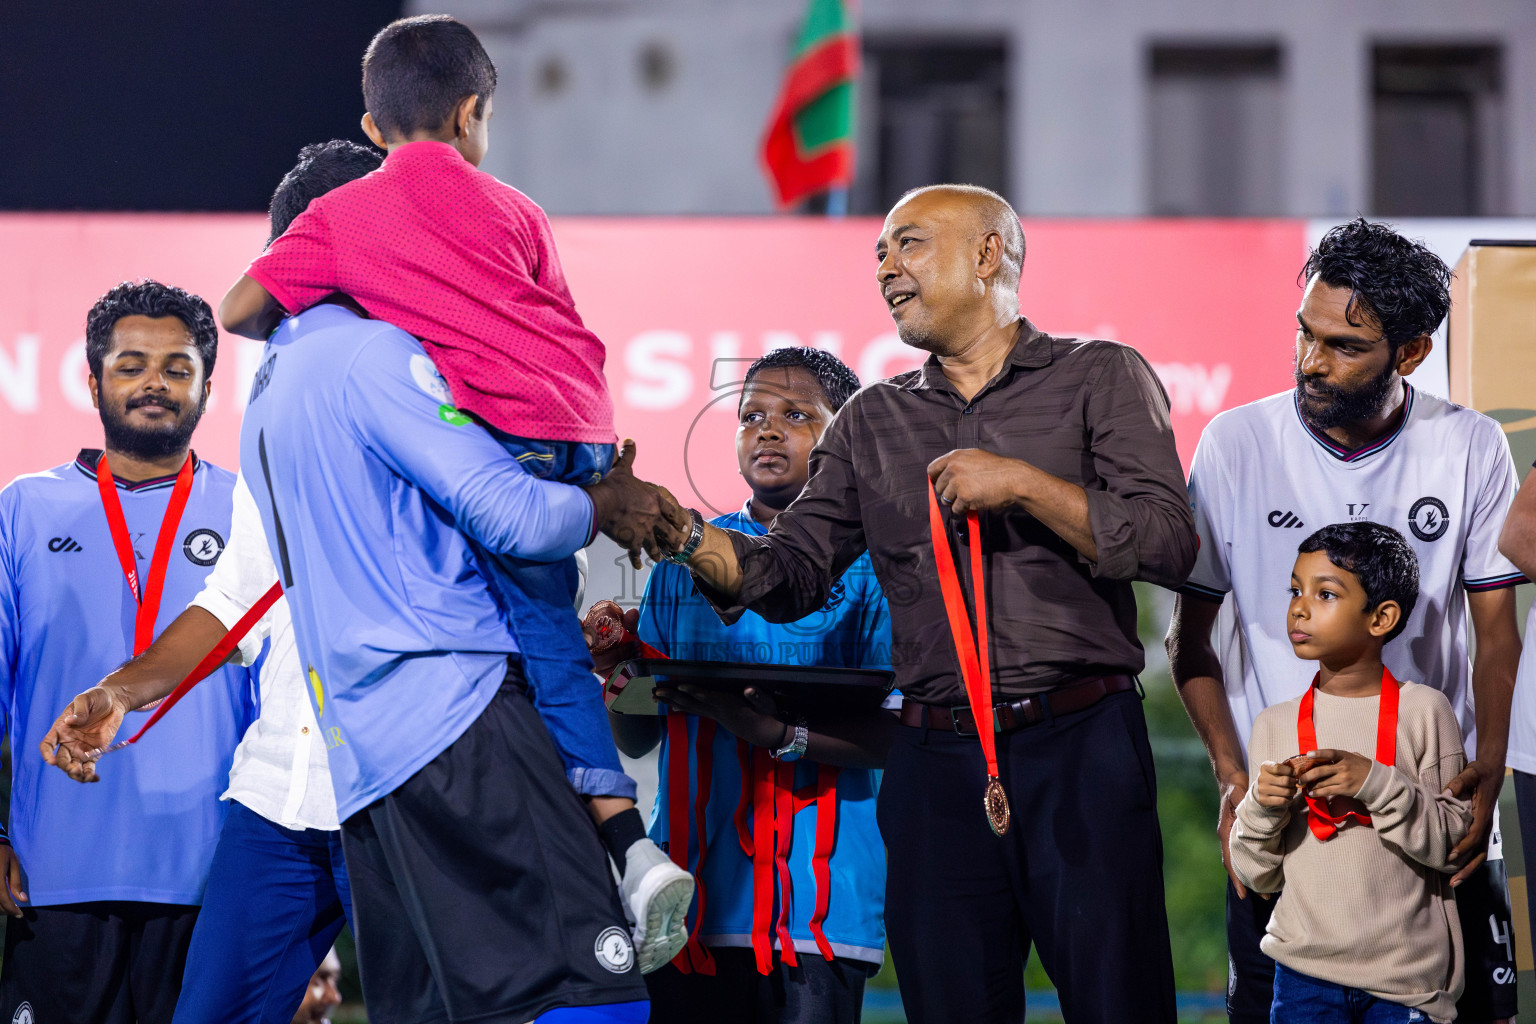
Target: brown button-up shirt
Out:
[1090,412]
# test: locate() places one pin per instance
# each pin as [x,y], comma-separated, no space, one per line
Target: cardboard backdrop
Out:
[683,305]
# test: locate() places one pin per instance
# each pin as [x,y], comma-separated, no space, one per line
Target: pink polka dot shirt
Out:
[467,264]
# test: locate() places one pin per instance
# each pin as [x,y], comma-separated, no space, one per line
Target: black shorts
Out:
[480,888]
[1487,935]
[817,991]
[108,962]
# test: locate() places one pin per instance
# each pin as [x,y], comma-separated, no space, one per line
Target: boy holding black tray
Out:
[788,920]
[1366,928]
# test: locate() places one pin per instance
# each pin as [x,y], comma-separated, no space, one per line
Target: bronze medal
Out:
[996,801]
[604,626]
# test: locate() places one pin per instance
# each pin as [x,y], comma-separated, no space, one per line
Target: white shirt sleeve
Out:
[1482,566]
[244,572]
[1209,496]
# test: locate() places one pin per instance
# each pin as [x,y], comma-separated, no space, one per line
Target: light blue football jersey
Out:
[365,474]
[147,830]
[853,630]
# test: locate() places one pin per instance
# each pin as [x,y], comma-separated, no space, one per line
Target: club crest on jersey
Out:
[1429,519]
[202,547]
[614,950]
[23,1014]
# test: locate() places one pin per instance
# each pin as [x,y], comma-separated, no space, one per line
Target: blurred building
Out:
[1070,107]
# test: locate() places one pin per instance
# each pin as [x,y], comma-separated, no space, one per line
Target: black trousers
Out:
[107,962]
[480,889]
[1487,939]
[814,992]
[1079,874]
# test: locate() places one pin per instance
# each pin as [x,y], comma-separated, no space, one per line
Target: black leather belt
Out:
[1021,713]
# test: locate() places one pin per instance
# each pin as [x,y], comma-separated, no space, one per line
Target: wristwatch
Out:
[795,748]
[695,535]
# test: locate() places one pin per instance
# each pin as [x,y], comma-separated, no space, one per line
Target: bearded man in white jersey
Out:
[1355,441]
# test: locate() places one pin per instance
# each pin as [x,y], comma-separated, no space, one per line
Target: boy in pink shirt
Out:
[468,265]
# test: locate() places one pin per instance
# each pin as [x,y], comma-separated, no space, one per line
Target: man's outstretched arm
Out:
[87,726]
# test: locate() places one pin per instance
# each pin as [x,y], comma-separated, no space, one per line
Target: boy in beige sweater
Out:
[1346,818]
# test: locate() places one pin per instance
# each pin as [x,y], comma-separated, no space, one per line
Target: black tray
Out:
[795,687]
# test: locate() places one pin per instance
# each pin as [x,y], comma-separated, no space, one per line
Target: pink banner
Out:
[683,306]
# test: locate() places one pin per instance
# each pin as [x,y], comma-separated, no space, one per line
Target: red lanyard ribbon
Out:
[975,663]
[769,802]
[147,596]
[1320,817]
[212,660]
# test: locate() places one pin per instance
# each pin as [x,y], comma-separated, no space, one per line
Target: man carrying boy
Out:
[1347,818]
[480,888]
[747,964]
[468,265]
[1355,442]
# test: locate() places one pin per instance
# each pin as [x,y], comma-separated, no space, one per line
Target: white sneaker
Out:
[656,894]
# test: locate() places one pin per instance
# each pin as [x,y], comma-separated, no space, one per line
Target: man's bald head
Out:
[991,213]
[950,257]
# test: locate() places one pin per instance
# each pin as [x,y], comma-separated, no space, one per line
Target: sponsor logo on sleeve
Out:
[428,379]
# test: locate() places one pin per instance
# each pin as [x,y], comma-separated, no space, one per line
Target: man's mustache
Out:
[168,404]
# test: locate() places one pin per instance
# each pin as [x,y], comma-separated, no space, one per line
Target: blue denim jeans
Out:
[1300,999]
[276,900]
[537,598]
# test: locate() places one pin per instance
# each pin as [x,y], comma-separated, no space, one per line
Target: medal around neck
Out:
[975,659]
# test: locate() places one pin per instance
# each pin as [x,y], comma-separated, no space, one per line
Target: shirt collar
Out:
[86,461]
[749,523]
[423,149]
[1031,350]
[1343,454]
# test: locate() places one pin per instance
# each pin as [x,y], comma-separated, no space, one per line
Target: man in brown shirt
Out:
[1064,449]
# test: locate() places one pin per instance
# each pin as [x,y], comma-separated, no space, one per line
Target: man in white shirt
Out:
[1352,442]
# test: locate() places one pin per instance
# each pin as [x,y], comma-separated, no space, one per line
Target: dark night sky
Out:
[173,104]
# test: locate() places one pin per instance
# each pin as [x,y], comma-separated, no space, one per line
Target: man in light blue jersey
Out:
[96,557]
[478,882]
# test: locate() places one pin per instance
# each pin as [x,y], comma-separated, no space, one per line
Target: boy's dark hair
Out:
[1380,559]
[1397,282]
[418,69]
[152,299]
[837,382]
[322,166]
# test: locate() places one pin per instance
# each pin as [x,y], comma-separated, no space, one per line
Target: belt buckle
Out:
[954,720]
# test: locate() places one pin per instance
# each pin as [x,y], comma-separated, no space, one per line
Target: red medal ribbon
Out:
[975,664]
[212,660]
[1320,818]
[148,596]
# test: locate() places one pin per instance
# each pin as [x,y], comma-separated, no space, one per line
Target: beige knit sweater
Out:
[1371,908]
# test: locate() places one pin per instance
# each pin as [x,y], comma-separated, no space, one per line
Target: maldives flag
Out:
[809,144]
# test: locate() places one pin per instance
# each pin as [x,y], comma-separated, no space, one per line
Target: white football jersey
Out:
[1263,481]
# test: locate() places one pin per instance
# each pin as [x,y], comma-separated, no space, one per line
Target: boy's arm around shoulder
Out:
[1415,814]
[1256,843]
[249,310]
